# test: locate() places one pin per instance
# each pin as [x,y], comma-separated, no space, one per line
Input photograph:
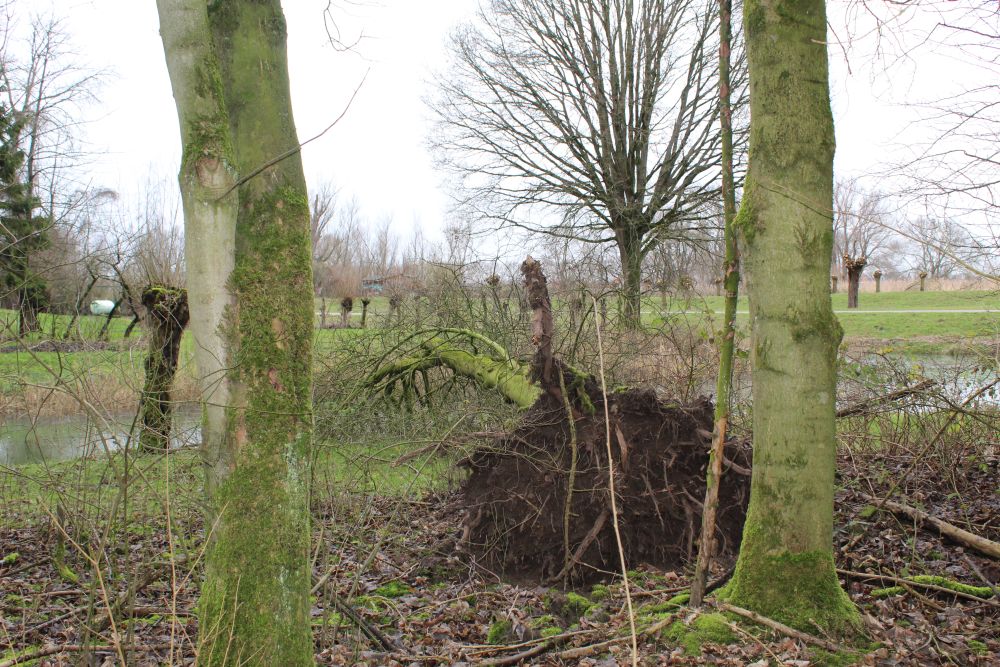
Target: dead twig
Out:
[55,649]
[518,657]
[863,406]
[602,518]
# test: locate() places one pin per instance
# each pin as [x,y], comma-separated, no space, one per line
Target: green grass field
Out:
[911,323]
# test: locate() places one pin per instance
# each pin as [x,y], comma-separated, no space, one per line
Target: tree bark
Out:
[27,310]
[103,333]
[166,316]
[365,301]
[250,277]
[785,568]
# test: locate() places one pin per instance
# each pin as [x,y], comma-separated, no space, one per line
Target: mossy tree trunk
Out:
[166,316]
[250,280]
[785,568]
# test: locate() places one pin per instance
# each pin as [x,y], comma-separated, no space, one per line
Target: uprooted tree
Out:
[536,501]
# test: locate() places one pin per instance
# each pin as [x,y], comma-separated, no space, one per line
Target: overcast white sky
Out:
[377,152]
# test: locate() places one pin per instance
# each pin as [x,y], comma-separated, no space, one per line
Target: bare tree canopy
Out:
[604,112]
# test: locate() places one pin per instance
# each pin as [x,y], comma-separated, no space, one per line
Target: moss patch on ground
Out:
[705,629]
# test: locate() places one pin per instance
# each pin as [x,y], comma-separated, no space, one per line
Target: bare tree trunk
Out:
[166,316]
[785,568]
[833,284]
[394,301]
[103,334]
[923,279]
[878,281]
[75,315]
[27,313]
[631,293]
[130,327]
[346,306]
[853,286]
[365,301]
[854,266]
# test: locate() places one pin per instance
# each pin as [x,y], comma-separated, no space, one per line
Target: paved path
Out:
[840,312]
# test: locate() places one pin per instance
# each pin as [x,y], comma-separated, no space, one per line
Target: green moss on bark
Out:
[800,590]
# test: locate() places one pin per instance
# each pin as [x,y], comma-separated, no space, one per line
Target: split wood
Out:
[981,544]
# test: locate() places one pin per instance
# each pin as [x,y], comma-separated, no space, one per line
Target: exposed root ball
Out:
[516,495]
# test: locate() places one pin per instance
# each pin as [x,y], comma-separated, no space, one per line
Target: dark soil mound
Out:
[515,497]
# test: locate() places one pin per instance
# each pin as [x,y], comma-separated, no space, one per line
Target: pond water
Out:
[49,439]
[958,378]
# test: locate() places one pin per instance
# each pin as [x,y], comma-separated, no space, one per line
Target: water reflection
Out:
[48,439]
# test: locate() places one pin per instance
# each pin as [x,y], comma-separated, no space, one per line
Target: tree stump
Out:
[346,306]
[878,281]
[166,316]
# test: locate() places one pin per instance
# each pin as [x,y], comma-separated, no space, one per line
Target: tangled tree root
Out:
[537,503]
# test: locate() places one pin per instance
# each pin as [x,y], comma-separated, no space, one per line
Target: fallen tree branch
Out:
[518,657]
[825,644]
[55,649]
[911,582]
[602,518]
[981,544]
